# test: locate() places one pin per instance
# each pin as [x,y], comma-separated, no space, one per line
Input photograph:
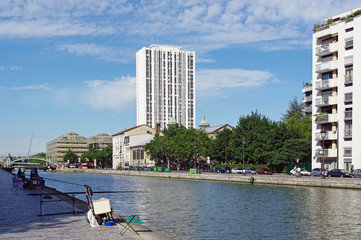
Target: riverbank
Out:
[20,218]
[275,179]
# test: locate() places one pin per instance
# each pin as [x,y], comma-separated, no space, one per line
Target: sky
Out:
[69,66]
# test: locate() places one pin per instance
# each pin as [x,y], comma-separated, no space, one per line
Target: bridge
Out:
[26,163]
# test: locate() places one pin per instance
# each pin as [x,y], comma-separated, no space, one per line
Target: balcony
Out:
[307,99]
[326,49]
[330,135]
[325,101]
[307,109]
[348,115]
[325,84]
[330,153]
[307,88]
[348,61]
[321,118]
[326,118]
[326,66]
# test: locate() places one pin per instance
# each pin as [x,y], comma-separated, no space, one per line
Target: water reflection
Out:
[215,210]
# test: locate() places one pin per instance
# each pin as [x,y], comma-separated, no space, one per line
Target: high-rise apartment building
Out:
[165,86]
[336,95]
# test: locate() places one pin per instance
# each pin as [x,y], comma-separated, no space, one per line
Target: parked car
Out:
[235,170]
[316,172]
[304,172]
[338,173]
[84,166]
[246,170]
[72,165]
[215,170]
[224,170]
[263,171]
[356,173]
[253,171]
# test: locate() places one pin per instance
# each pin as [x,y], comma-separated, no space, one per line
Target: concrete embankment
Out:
[20,220]
[275,179]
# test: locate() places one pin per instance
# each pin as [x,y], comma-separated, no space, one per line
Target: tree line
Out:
[103,157]
[255,138]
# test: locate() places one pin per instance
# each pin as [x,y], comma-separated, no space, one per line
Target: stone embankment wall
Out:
[276,179]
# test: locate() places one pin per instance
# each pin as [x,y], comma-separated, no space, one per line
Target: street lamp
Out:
[225,151]
[195,156]
[162,155]
[323,135]
[243,141]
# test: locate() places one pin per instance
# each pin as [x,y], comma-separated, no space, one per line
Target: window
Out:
[126,139]
[348,74]
[326,76]
[349,29]
[348,97]
[348,129]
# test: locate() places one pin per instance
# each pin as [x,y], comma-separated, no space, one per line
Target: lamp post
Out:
[225,151]
[195,156]
[243,141]
[162,155]
[323,135]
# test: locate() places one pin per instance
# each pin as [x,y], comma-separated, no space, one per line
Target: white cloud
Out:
[102,52]
[116,95]
[216,81]
[203,25]
[43,86]
[10,68]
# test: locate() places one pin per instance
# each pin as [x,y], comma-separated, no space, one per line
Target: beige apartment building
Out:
[336,98]
[128,147]
[100,141]
[55,149]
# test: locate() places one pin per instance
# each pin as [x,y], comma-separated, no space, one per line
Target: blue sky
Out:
[70,65]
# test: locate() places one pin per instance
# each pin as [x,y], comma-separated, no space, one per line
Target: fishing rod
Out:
[61,193]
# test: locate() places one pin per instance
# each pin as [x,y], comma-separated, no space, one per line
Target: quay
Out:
[274,179]
[19,217]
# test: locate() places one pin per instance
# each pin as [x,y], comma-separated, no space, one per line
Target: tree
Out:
[71,156]
[258,132]
[294,107]
[179,146]
[220,146]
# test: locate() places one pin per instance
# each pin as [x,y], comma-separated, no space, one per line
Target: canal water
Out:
[186,209]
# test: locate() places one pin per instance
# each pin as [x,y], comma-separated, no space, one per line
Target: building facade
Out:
[336,96]
[128,147]
[165,80]
[212,131]
[307,100]
[100,141]
[55,149]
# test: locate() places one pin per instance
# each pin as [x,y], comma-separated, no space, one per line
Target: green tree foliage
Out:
[71,156]
[258,132]
[178,146]
[220,149]
[103,157]
[294,107]
[40,155]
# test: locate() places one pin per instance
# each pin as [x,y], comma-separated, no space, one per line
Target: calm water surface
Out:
[187,209]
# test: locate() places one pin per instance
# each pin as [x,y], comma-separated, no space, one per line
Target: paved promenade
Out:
[277,179]
[19,218]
